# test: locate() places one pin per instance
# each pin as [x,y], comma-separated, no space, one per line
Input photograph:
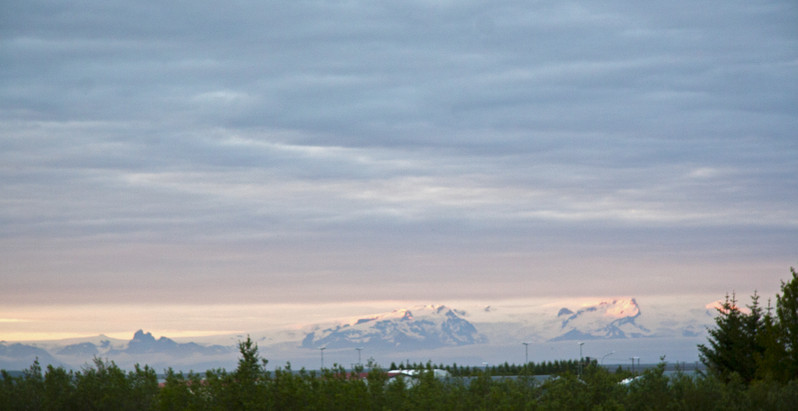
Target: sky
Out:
[164,163]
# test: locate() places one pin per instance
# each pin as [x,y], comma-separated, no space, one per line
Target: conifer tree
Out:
[249,376]
[755,344]
[730,343]
[787,328]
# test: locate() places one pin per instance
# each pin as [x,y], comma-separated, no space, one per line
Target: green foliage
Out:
[59,389]
[650,391]
[24,392]
[183,392]
[107,387]
[247,384]
[787,329]
[104,386]
[544,368]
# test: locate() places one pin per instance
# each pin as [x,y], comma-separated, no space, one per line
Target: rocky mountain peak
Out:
[427,326]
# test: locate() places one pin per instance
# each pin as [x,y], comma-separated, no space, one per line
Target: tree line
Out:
[506,369]
[750,358]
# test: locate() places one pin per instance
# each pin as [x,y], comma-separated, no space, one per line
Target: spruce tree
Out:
[787,328]
[732,342]
[755,345]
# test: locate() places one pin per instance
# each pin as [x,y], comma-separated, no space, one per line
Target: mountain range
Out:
[143,348]
[430,330]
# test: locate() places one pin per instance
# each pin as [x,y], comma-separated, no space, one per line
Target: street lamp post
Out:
[359,349]
[581,343]
[605,356]
[322,356]
[526,352]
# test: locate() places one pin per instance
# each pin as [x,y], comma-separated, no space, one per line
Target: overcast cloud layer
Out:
[307,151]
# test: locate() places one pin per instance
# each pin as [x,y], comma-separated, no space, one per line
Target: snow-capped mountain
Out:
[597,319]
[420,327]
[606,319]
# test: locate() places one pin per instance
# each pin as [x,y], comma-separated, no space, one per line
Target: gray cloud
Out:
[332,143]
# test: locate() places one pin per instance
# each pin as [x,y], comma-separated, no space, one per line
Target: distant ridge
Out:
[145,343]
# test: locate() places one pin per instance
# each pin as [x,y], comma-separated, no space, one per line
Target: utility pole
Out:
[322,356]
[359,349]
